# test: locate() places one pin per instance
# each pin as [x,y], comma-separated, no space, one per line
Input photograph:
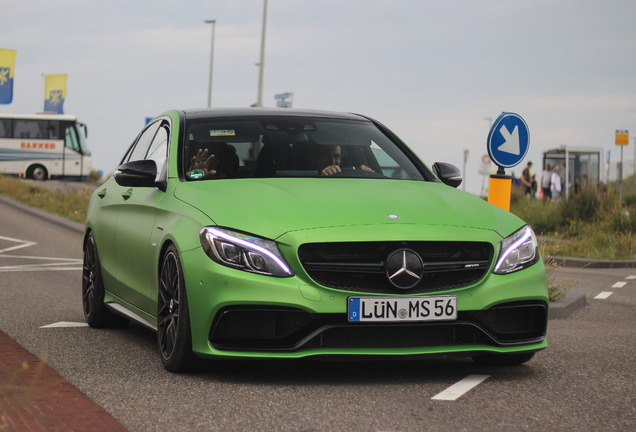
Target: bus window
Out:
[70,138]
[5,128]
[36,129]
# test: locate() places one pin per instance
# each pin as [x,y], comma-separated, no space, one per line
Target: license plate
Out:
[402,309]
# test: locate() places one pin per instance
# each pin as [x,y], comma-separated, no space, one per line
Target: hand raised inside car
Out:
[205,163]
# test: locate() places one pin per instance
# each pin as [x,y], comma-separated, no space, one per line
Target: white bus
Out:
[43,146]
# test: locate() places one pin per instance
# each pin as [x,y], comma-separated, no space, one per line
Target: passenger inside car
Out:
[212,160]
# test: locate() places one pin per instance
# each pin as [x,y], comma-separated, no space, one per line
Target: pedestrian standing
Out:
[555,184]
[546,179]
[526,179]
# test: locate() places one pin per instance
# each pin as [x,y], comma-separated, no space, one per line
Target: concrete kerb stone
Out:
[567,306]
[573,302]
[592,263]
[58,220]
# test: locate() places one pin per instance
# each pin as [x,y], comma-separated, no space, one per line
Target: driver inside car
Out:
[329,159]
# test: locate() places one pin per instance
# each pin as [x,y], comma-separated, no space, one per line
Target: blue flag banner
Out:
[7,66]
[54,93]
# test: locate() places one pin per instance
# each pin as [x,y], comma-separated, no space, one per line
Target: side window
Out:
[70,137]
[5,128]
[32,129]
[159,148]
[140,148]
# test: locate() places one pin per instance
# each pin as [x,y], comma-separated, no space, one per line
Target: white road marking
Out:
[460,388]
[603,295]
[619,284]
[23,244]
[631,277]
[49,264]
[63,324]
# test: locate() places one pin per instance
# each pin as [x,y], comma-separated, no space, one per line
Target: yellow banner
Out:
[54,93]
[7,67]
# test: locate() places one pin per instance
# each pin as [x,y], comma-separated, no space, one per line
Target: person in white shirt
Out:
[546,180]
[555,184]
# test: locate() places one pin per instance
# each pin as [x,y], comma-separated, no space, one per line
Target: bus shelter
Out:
[579,166]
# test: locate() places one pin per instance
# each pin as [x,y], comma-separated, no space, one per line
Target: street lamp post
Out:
[261,63]
[213,22]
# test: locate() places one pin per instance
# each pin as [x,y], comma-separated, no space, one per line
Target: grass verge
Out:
[69,204]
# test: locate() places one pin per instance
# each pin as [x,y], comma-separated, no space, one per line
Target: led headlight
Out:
[244,252]
[518,251]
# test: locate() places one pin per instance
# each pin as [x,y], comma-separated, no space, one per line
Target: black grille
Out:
[359,266]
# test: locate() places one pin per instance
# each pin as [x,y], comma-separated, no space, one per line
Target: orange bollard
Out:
[499,188]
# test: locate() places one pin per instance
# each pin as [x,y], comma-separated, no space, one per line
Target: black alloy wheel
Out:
[173,318]
[95,311]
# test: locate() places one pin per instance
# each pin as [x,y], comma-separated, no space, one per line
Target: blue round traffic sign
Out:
[508,140]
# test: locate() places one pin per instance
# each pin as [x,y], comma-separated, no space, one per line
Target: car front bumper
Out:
[239,314]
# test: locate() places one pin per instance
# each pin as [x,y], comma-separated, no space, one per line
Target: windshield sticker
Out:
[195,174]
[222,132]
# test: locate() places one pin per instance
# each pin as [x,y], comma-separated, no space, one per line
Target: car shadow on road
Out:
[334,370]
[348,371]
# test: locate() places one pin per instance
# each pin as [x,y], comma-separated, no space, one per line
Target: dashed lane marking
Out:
[603,295]
[631,277]
[619,284]
[64,324]
[460,388]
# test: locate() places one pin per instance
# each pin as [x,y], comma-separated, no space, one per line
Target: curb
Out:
[59,220]
[592,263]
[567,306]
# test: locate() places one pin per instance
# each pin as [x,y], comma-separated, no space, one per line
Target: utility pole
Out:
[261,63]
[213,22]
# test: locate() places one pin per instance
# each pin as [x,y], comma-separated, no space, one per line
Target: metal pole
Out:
[567,173]
[213,22]
[261,63]
[465,160]
[620,182]
[634,159]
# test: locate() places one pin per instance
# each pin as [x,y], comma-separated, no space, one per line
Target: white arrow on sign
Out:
[512,140]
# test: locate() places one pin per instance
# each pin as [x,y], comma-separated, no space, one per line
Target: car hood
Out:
[273,207]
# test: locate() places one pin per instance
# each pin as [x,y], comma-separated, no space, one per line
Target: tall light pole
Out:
[213,22]
[261,63]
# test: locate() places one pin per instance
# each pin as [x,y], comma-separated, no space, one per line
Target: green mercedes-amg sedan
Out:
[285,233]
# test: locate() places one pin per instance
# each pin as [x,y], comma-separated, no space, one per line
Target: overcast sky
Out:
[432,71]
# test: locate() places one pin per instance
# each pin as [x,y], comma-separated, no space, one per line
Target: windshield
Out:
[292,147]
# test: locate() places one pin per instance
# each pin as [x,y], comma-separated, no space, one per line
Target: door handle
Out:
[127,194]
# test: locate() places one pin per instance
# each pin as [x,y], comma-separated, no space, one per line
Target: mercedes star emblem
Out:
[404,268]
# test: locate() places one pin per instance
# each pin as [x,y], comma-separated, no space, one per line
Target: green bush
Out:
[583,206]
[589,223]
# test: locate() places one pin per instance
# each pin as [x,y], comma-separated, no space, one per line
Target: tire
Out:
[503,359]
[95,311]
[173,316]
[38,172]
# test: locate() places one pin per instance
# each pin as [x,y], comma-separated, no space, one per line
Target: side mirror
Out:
[449,174]
[141,173]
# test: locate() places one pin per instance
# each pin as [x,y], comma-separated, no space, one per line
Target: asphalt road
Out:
[584,381]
